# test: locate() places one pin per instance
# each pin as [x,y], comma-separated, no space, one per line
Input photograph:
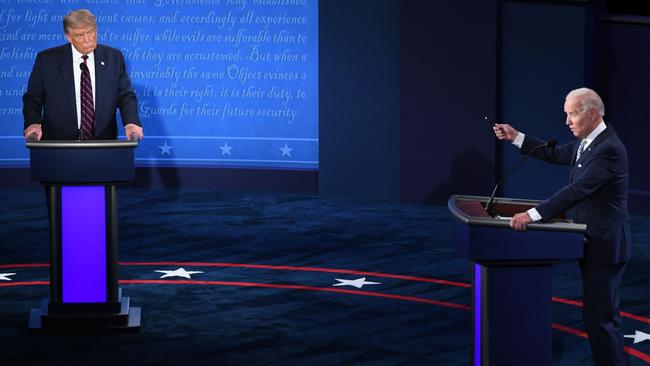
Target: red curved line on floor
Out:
[574,331]
[266,285]
[624,314]
[577,332]
[631,351]
[24,265]
[299,287]
[297,268]
[639,318]
[24,283]
[638,354]
[567,301]
[264,266]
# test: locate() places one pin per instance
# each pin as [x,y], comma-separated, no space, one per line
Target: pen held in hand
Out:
[492,123]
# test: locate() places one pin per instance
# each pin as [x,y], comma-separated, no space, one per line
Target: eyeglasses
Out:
[91,34]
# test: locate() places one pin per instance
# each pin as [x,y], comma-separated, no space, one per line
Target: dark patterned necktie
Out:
[87,105]
[581,148]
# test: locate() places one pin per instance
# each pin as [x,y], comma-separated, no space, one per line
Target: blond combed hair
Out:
[79,18]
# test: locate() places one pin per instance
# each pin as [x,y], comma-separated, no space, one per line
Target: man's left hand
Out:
[520,221]
[132,130]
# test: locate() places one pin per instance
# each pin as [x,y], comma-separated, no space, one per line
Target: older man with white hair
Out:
[598,190]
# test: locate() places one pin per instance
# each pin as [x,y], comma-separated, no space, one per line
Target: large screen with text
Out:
[219,82]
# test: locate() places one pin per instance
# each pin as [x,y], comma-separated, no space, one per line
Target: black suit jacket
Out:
[598,189]
[50,97]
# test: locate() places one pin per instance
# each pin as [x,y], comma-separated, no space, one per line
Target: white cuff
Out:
[534,215]
[519,140]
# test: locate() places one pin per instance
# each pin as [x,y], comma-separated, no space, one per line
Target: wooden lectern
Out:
[80,179]
[512,274]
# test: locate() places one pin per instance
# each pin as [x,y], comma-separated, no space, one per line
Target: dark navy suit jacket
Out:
[598,189]
[50,97]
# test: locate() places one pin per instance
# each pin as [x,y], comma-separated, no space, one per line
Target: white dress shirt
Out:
[76,61]
[519,140]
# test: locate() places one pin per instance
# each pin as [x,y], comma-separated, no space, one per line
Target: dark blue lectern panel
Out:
[498,243]
[515,299]
[511,305]
[80,179]
[68,166]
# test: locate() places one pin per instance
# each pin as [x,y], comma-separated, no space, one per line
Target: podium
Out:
[512,275]
[80,180]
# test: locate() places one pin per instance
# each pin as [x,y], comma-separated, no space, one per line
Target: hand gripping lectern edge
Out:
[512,278]
[80,179]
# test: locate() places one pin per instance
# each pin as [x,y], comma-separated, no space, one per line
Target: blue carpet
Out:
[265,294]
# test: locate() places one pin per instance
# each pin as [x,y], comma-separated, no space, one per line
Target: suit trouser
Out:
[601,295]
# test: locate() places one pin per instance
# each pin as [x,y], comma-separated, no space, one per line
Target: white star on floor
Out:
[181,272]
[165,149]
[286,150]
[5,276]
[639,336]
[358,283]
[225,149]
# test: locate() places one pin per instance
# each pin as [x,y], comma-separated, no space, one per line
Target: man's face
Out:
[83,39]
[581,122]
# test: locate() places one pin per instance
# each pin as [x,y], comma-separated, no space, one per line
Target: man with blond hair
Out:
[75,89]
[597,189]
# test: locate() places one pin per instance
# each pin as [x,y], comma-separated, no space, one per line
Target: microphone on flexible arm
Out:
[489,207]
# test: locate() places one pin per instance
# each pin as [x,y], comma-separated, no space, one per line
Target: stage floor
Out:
[227,278]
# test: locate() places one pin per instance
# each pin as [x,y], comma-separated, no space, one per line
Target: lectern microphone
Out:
[489,206]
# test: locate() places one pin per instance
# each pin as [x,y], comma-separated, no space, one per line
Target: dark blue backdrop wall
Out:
[404,88]
[620,72]
[449,84]
[540,64]
[511,60]
[359,99]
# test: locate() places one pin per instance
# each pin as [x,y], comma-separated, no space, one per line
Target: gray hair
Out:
[78,19]
[590,100]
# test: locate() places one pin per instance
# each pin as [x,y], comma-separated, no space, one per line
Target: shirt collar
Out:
[597,131]
[76,55]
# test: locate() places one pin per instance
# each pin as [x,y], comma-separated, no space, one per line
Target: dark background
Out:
[405,85]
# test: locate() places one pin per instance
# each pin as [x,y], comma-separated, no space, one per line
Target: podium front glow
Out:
[83,244]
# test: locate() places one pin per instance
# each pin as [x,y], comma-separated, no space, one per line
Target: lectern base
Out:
[45,320]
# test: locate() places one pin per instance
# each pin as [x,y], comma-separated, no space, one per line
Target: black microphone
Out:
[83,66]
[489,205]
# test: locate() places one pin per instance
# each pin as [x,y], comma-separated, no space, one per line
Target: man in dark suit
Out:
[598,190]
[75,89]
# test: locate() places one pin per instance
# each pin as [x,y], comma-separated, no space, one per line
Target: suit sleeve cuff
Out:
[519,140]
[534,215]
